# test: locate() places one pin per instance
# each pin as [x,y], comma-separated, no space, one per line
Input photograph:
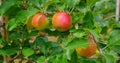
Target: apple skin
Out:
[61,21]
[89,51]
[40,21]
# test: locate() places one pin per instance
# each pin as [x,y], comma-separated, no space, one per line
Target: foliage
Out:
[89,18]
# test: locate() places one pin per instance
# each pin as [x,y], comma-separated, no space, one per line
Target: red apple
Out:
[89,51]
[61,21]
[40,21]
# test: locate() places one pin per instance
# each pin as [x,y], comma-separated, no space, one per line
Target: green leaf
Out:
[82,7]
[77,43]
[69,53]
[117,25]
[36,3]
[89,60]
[52,44]
[114,36]
[91,2]
[49,2]
[27,52]
[11,12]
[77,17]
[79,34]
[56,50]
[71,3]
[73,57]
[116,48]
[60,59]
[9,49]
[99,20]
[64,59]
[109,58]
[41,59]
[1,40]
[95,34]
[41,42]
[98,29]
[6,5]
[21,17]
[105,7]
[88,20]
[14,36]
[115,43]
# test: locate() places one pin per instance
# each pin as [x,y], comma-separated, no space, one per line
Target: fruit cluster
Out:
[62,21]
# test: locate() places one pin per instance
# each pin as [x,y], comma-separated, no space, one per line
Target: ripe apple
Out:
[61,21]
[89,51]
[40,21]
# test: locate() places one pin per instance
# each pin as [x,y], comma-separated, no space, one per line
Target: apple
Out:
[89,51]
[61,21]
[40,21]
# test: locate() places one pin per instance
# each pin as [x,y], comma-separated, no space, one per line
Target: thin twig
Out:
[95,42]
[109,17]
[4,35]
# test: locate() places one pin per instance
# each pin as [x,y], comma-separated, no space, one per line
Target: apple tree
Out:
[59,31]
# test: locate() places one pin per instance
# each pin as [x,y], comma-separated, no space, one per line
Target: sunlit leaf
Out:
[6,5]
[41,60]
[27,52]
[79,34]
[77,43]
[109,58]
